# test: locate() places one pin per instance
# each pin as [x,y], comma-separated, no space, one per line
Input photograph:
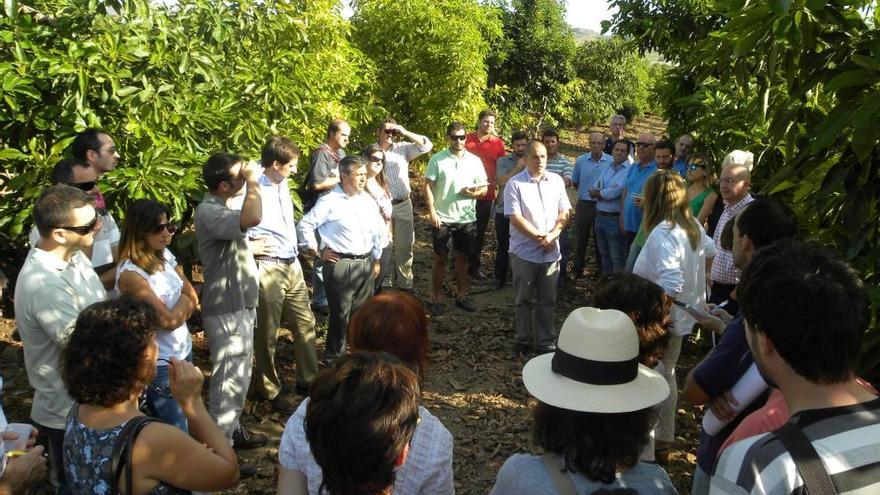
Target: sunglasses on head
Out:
[82,229]
[85,186]
[170,227]
[457,137]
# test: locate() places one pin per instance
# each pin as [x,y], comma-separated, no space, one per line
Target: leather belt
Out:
[608,213]
[346,256]
[273,259]
[399,200]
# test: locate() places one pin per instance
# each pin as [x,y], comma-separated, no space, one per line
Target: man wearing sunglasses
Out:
[454,180]
[56,282]
[398,154]
[103,252]
[631,199]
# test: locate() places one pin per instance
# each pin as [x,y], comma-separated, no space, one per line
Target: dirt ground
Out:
[473,385]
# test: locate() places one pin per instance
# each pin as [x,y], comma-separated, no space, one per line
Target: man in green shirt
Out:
[453,180]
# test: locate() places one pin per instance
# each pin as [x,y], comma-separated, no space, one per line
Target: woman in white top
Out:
[392,322]
[377,187]
[149,272]
[674,257]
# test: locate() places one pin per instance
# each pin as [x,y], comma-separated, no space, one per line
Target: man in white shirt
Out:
[351,229]
[55,284]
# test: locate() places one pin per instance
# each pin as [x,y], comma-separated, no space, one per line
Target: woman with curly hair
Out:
[392,322]
[674,257]
[109,359]
[149,272]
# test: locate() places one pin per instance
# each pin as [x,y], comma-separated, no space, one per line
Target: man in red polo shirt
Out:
[489,147]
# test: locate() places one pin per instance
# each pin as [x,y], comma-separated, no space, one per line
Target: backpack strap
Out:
[122,449]
[563,484]
[806,459]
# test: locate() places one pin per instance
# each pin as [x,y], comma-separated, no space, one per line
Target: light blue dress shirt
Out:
[277,222]
[540,202]
[610,184]
[635,181]
[347,224]
[586,171]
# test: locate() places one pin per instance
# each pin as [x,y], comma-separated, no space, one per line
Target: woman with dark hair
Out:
[392,322]
[149,272]
[593,413]
[674,257]
[359,442]
[645,304]
[377,187]
[109,359]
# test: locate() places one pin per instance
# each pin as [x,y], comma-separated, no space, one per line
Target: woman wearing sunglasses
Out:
[377,187]
[700,193]
[149,272]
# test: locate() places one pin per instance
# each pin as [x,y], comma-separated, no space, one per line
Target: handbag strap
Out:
[806,459]
[563,484]
[122,449]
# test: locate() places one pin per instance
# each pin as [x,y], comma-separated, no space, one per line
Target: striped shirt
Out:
[723,269]
[397,165]
[846,438]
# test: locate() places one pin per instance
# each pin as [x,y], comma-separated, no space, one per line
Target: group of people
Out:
[110,339]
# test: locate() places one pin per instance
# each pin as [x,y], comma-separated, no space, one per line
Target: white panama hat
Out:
[595,367]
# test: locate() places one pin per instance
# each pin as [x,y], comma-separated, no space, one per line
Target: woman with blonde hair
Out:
[149,272]
[700,191]
[674,257]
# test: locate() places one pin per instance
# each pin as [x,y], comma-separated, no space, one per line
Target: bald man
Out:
[587,170]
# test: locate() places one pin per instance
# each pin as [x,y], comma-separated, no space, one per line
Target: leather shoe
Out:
[246,470]
[243,439]
[466,304]
[283,404]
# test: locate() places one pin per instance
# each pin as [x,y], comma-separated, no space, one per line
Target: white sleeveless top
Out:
[167,286]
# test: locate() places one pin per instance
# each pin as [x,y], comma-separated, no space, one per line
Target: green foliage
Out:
[798,83]
[171,85]
[431,66]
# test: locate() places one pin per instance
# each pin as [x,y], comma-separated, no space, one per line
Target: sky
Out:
[587,13]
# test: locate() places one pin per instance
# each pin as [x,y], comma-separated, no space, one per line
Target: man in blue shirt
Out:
[683,148]
[606,191]
[587,169]
[638,174]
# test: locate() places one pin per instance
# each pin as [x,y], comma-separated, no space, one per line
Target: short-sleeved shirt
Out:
[49,295]
[397,165]
[324,164]
[845,438]
[587,171]
[105,239]
[635,181]
[489,151]
[450,174]
[717,373]
[503,166]
[231,280]
[427,470]
[538,201]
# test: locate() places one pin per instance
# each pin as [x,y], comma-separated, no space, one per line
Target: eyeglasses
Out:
[169,227]
[85,186]
[458,137]
[110,150]
[374,159]
[82,229]
[694,166]
[640,143]
[390,132]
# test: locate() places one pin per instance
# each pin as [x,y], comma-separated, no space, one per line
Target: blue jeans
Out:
[611,243]
[161,403]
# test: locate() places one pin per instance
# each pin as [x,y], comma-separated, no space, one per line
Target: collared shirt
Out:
[539,202]
[231,275]
[503,166]
[397,164]
[347,224]
[560,165]
[680,165]
[635,181]
[49,295]
[723,269]
[610,184]
[489,151]
[586,171]
[630,147]
[277,221]
[450,174]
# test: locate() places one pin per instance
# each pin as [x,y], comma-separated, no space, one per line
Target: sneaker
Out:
[281,403]
[436,309]
[466,304]
[243,439]
[246,470]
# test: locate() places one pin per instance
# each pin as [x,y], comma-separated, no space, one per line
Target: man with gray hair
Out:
[734,184]
[617,126]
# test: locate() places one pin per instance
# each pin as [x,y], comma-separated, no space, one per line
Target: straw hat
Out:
[595,367]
